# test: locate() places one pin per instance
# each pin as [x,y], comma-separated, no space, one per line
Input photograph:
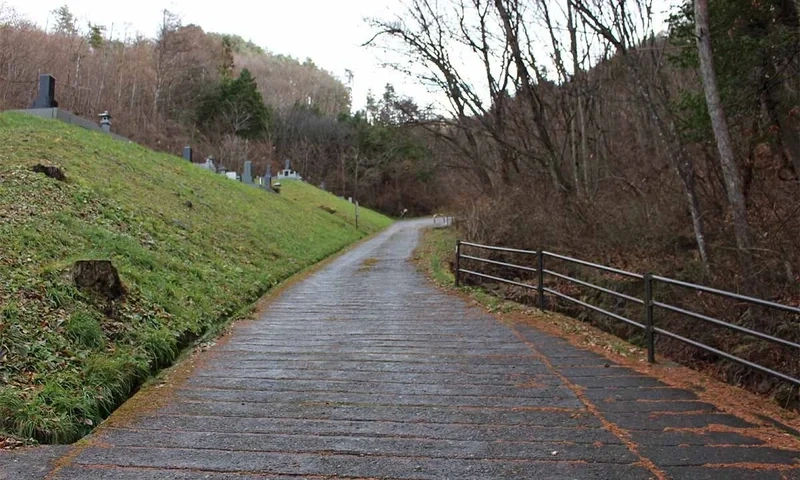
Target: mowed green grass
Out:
[193,249]
[368,220]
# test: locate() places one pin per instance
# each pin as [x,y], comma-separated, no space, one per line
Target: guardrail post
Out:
[648,316]
[540,271]
[458,261]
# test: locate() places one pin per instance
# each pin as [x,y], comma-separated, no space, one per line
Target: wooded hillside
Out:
[588,127]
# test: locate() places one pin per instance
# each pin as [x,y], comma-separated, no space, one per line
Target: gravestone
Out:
[187,153]
[47,93]
[247,175]
[267,184]
[207,165]
[288,173]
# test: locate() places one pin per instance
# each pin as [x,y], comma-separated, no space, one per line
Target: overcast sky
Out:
[327,31]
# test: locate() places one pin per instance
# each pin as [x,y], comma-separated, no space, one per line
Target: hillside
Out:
[369,220]
[193,249]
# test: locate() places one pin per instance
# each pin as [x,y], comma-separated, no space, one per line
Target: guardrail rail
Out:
[648,303]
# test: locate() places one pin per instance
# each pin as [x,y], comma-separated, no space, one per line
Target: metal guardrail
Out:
[442,221]
[648,303]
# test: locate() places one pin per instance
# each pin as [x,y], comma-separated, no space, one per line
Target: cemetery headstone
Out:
[267,183]
[288,173]
[247,174]
[187,153]
[47,93]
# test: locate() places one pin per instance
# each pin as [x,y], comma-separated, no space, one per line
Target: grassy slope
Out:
[435,255]
[68,359]
[436,249]
[369,220]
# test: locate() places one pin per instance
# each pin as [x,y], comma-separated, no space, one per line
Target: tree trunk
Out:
[528,92]
[788,137]
[719,124]
[577,81]
[683,164]
[686,172]
[584,148]
[574,148]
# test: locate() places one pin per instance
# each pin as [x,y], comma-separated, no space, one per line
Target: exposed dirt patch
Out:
[367,264]
[50,171]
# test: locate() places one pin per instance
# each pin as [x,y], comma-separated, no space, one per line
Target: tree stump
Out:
[100,276]
[50,171]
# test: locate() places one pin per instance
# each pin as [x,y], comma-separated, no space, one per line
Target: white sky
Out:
[330,32]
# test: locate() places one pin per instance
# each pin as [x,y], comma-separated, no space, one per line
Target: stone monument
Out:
[288,173]
[247,174]
[47,93]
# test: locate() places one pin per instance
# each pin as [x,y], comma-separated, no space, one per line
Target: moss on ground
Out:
[194,250]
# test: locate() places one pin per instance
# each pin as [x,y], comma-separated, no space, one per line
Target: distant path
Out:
[365,370]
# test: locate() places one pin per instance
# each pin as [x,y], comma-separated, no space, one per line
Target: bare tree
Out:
[165,53]
[526,85]
[424,34]
[619,29]
[719,123]
[519,132]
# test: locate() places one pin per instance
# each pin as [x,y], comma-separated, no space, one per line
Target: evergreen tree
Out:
[96,35]
[65,21]
[236,107]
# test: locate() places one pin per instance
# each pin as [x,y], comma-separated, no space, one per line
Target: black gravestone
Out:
[47,93]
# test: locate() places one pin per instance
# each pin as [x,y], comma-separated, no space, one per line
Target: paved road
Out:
[364,370]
